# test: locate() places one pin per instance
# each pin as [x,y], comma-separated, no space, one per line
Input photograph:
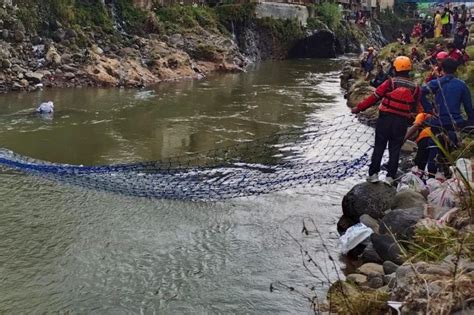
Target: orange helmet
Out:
[402,63]
[442,55]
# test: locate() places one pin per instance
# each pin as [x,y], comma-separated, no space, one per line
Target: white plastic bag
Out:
[464,166]
[411,181]
[354,235]
[446,195]
[45,108]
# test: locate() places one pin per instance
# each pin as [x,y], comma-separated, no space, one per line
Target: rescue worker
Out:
[422,140]
[399,98]
[436,71]
[449,93]
[455,53]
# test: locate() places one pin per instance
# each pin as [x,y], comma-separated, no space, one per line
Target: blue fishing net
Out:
[310,156]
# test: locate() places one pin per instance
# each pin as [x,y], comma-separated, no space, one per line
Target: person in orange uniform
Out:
[422,140]
[399,101]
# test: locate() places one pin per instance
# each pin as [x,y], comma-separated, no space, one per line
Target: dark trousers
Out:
[422,153]
[437,161]
[390,129]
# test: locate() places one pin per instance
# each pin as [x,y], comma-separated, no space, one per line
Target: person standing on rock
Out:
[399,98]
[367,62]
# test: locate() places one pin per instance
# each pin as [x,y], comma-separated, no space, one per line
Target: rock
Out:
[176,40]
[16,86]
[20,76]
[401,222]
[321,44]
[390,280]
[344,223]
[69,75]
[69,68]
[53,57]
[367,220]
[375,281]
[5,34]
[370,255]
[6,64]
[66,58]
[438,270]
[408,198]
[70,33]
[34,77]
[389,267]
[58,36]
[386,248]
[97,50]
[18,69]
[370,269]
[368,198]
[24,83]
[357,278]
[36,40]
[404,276]
[19,36]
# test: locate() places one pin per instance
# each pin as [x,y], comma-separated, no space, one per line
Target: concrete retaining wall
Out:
[282,11]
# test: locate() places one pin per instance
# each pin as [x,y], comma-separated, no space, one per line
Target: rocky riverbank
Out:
[133,43]
[419,257]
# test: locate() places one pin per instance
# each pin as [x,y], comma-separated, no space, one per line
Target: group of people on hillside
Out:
[403,102]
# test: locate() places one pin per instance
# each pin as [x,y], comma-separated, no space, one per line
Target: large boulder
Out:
[401,222]
[386,248]
[34,77]
[368,198]
[53,57]
[408,198]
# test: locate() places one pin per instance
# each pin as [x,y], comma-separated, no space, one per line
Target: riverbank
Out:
[134,44]
[419,256]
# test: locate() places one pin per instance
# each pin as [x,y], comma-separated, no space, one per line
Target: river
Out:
[69,249]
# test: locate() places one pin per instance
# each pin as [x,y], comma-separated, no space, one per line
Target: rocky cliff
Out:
[137,42]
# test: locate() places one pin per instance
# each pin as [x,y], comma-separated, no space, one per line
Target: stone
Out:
[5,34]
[367,220]
[36,40]
[69,68]
[19,36]
[58,36]
[390,280]
[375,282]
[70,33]
[69,75]
[357,278]
[66,58]
[20,76]
[438,270]
[408,198]
[389,267]
[404,275]
[343,224]
[176,40]
[386,248]
[53,57]
[18,69]
[401,222]
[370,255]
[321,44]
[409,146]
[368,198]
[24,82]
[16,86]
[6,64]
[370,268]
[34,77]
[97,50]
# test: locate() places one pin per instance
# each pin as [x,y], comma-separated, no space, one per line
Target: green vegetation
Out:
[346,298]
[433,244]
[329,13]
[182,19]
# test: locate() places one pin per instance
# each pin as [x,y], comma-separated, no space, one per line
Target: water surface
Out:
[68,249]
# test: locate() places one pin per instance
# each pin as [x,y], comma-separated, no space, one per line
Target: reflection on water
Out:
[65,249]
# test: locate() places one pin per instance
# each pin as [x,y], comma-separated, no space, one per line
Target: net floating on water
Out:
[311,156]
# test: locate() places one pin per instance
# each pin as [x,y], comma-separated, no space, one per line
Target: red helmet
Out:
[442,55]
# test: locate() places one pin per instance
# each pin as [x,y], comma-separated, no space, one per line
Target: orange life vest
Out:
[401,99]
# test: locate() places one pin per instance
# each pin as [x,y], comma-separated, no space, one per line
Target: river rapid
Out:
[69,249]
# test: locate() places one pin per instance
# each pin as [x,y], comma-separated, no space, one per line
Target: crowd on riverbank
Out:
[417,253]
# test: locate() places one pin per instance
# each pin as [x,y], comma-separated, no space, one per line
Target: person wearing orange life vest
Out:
[399,100]
[422,141]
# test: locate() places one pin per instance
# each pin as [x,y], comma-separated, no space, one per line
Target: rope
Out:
[311,156]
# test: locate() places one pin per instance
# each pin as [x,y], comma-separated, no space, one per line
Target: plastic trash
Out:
[447,194]
[411,181]
[465,167]
[45,108]
[354,235]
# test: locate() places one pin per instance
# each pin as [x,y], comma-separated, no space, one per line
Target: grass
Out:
[433,244]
